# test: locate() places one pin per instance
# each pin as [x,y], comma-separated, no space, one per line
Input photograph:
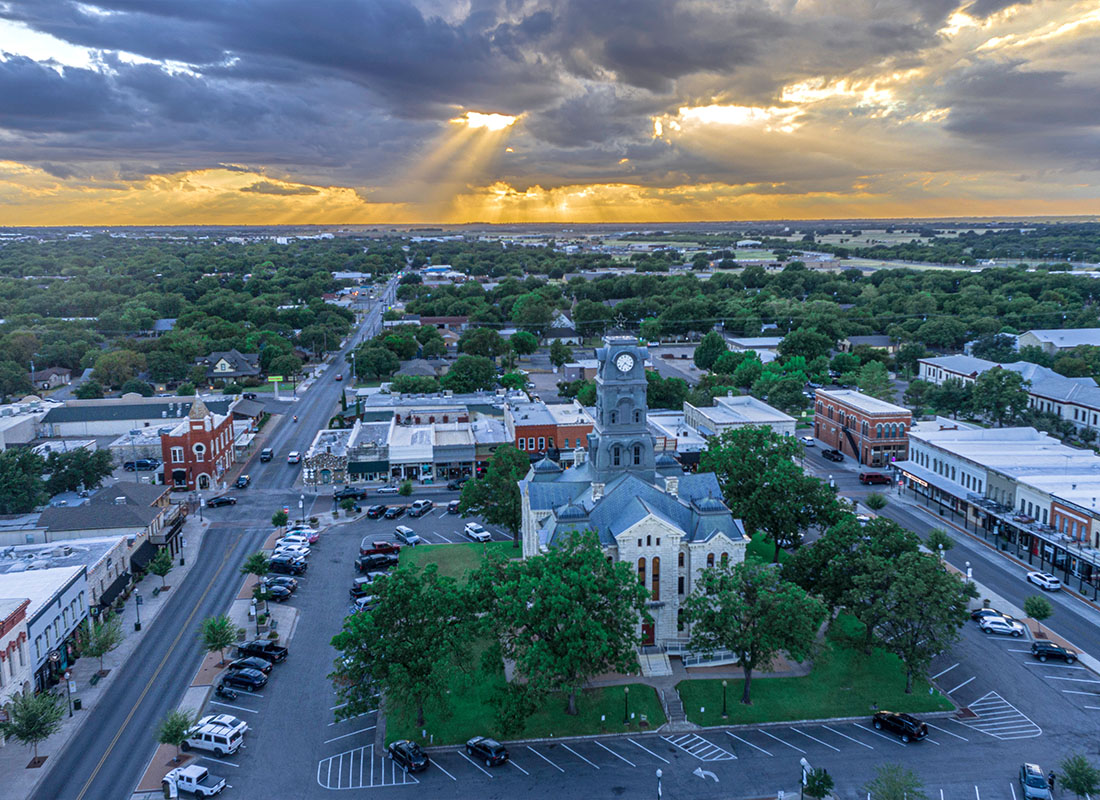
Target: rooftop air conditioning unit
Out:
[120,501]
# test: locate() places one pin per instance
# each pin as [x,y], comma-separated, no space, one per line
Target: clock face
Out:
[624,362]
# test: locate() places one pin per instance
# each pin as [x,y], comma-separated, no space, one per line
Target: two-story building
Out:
[198,451]
[15,662]
[737,411]
[538,428]
[870,430]
[57,606]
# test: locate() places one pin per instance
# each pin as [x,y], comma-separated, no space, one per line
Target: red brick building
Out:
[872,431]
[540,428]
[199,450]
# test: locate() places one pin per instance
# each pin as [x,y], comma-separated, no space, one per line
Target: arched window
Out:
[637,455]
[200,452]
[865,426]
[878,431]
[901,430]
[679,619]
[616,456]
[641,571]
[649,541]
[655,581]
[725,559]
[681,561]
[710,559]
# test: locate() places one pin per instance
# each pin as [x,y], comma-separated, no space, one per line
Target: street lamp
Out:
[969,573]
[659,774]
[940,546]
[137,607]
[626,705]
[832,483]
[302,507]
[69,690]
[725,714]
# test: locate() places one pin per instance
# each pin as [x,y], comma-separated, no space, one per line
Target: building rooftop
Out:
[39,585]
[531,413]
[861,401]
[333,441]
[755,342]
[1066,337]
[744,409]
[70,553]
[569,414]
[130,407]
[671,425]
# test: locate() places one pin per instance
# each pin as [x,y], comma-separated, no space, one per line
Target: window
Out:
[177,455]
[649,541]
[878,431]
[637,416]
[641,571]
[550,442]
[616,456]
[614,417]
[681,564]
[542,443]
[725,559]
[658,541]
[531,443]
[639,543]
[680,618]
[200,452]
[710,559]
[522,444]
[680,585]
[655,581]
[565,443]
[637,455]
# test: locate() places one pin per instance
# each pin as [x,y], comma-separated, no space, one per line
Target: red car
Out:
[372,548]
[869,478]
[339,377]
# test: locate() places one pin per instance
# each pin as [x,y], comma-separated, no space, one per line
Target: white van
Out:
[221,735]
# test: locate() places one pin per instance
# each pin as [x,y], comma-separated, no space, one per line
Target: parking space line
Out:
[608,749]
[1078,680]
[1055,666]
[1094,708]
[473,762]
[799,749]
[346,735]
[849,738]
[1013,789]
[662,758]
[796,730]
[578,755]
[544,758]
[750,744]
[357,716]
[880,735]
[961,685]
[1071,691]
[949,733]
[976,795]
[228,763]
[238,708]
[938,674]
[517,766]
[449,775]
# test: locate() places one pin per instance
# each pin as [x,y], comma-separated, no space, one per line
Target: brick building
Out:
[540,428]
[198,451]
[872,431]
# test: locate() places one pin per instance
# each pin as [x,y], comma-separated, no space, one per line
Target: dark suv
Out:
[869,478]
[141,465]
[350,492]
[375,562]
[408,755]
[1045,650]
[286,565]
[490,751]
[833,455]
[906,726]
[248,679]
[262,648]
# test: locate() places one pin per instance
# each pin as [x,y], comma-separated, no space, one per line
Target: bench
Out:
[156,591]
[95,679]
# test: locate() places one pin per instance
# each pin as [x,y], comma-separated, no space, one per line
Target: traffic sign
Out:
[275,379]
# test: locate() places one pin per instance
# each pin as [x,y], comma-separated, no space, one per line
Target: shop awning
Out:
[115,589]
[142,556]
[365,467]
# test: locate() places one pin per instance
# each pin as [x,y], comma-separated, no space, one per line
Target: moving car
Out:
[408,755]
[1045,581]
[224,500]
[350,492]
[141,465]
[369,547]
[376,511]
[1002,626]
[293,457]
[250,662]
[1033,782]
[809,441]
[393,512]
[376,561]
[452,507]
[339,377]
[267,454]
[287,564]
[833,455]
[906,726]
[406,535]
[265,649]
[420,507]
[873,478]
[248,679]
[456,484]
[490,751]
[243,481]
[476,532]
[388,490]
[1045,650]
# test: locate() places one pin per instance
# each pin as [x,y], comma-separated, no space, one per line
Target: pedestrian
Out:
[1050,780]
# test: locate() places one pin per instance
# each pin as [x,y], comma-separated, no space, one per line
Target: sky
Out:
[140,112]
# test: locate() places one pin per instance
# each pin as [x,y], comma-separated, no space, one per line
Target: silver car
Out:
[1002,626]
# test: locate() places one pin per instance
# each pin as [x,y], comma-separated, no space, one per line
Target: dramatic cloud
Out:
[352,110]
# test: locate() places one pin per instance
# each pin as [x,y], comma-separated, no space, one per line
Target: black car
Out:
[287,565]
[452,507]
[248,679]
[250,662]
[979,614]
[249,395]
[350,492]
[906,726]
[376,561]
[263,649]
[393,512]
[280,594]
[1045,650]
[362,587]
[243,481]
[490,751]
[141,465]
[833,455]
[456,484]
[280,580]
[376,512]
[408,755]
[224,500]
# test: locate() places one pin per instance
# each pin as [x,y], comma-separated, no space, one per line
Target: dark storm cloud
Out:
[600,114]
[267,187]
[983,8]
[39,98]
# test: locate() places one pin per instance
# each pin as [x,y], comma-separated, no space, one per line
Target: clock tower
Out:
[620,441]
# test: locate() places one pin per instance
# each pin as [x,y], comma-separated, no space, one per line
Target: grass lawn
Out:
[844,683]
[760,549]
[454,560]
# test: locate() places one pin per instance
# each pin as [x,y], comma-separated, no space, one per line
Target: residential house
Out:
[230,365]
[1056,340]
[51,378]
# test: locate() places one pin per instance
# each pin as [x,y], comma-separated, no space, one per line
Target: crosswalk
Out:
[1000,719]
[360,768]
[699,747]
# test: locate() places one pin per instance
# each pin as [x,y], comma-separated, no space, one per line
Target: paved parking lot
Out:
[435,527]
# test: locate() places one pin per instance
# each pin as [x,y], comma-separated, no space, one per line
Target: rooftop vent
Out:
[120,501]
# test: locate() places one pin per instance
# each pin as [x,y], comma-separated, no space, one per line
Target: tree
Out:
[495,495]
[434,348]
[185,390]
[513,380]
[754,613]
[161,565]
[69,471]
[117,367]
[376,361]
[895,782]
[102,638]
[531,311]
[819,783]
[482,342]
[875,381]
[916,395]
[21,485]
[923,610]
[33,718]
[1080,776]
[560,353]
[908,357]
[946,332]
[407,647]
[844,362]
[414,384]
[524,343]
[165,366]
[279,519]
[665,392]
[951,396]
[997,347]
[217,633]
[876,501]
[565,616]
[469,374]
[406,489]
[256,564]
[136,386]
[939,541]
[288,366]
[709,350]
[175,727]
[1001,394]
[14,380]
[89,390]
[1038,608]
[806,342]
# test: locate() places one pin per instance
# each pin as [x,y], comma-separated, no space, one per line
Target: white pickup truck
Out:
[193,779]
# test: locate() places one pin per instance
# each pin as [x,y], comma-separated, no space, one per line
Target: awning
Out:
[364,467]
[925,475]
[115,589]
[142,556]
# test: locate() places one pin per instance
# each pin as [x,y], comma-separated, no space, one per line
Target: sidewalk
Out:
[14,757]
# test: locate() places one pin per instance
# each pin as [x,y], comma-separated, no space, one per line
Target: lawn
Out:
[455,560]
[760,549]
[844,683]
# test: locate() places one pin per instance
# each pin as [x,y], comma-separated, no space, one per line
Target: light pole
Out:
[302,507]
[969,573]
[626,705]
[199,493]
[940,546]
[659,774]
[725,714]
[137,608]
[69,690]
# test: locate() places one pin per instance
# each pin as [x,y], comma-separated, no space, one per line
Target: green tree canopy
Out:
[482,342]
[875,381]
[469,374]
[560,353]
[175,727]
[495,495]
[218,633]
[21,485]
[524,343]
[33,718]
[806,342]
[71,470]
[1000,394]
[709,350]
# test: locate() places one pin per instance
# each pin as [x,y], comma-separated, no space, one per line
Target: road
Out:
[118,738]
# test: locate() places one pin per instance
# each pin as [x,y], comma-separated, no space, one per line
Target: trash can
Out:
[77,704]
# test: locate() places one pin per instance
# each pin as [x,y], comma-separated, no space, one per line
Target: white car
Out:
[477,532]
[1044,580]
[809,441]
[292,539]
[1002,626]
[292,550]
[388,490]
[406,535]
[293,457]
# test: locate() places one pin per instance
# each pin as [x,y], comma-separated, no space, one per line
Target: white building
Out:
[737,411]
[58,605]
[15,660]
[1055,340]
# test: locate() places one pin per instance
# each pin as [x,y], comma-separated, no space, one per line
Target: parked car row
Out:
[291,554]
